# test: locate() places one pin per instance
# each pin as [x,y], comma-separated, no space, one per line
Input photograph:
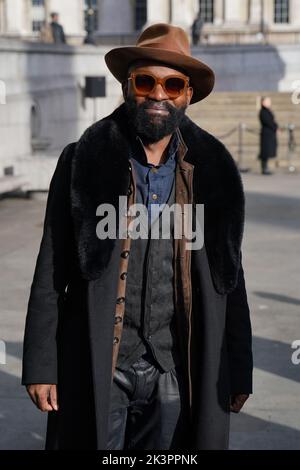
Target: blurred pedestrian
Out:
[268,137]
[46,34]
[197,29]
[57,30]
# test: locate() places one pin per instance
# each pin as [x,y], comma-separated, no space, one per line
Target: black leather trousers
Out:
[148,408]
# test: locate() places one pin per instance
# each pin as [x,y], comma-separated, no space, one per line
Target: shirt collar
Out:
[138,151]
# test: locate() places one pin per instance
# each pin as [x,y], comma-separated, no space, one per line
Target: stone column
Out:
[255,12]
[295,12]
[268,12]
[158,11]
[184,13]
[18,17]
[218,12]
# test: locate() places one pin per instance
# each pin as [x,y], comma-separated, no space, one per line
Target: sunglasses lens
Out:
[144,83]
[174,86]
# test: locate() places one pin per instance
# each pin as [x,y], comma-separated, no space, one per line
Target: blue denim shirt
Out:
[153,183]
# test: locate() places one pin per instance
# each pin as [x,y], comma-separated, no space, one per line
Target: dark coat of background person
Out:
[58,33]
[70,321]
[268,138]
[197,27]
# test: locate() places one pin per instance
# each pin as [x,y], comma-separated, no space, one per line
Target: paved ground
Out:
[271,419]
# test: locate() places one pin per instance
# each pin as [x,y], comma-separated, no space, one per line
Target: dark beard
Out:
[151,129]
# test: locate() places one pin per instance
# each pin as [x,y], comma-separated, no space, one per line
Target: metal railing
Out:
[242,127]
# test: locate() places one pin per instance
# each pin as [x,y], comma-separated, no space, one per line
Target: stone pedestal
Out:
[18,18]
[295,12]
[219,12]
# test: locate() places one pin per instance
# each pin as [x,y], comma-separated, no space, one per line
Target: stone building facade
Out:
[225,21]
[42,86]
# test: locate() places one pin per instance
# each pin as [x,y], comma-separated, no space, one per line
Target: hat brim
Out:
[202,77]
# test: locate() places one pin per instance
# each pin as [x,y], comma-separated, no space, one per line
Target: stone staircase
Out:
[222,112]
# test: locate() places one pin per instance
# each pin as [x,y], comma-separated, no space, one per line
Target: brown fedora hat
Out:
[168,45]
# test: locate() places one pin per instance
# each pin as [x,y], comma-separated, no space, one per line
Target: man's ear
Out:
[190,92]
[125,88]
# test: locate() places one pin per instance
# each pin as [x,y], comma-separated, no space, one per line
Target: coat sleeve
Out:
[49,280]
[239,338]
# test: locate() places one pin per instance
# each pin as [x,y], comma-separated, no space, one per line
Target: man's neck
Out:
[156,153]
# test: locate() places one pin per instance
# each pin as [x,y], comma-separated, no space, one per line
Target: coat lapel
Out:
[218,185]
[100,174]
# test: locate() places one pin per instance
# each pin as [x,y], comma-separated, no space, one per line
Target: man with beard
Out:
[141,342]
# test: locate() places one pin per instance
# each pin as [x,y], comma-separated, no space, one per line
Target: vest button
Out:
[125,254]
[120,300]
[123,276]
[116,340]
[118,319]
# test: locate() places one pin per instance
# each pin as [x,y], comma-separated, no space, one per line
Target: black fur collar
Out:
[100,174]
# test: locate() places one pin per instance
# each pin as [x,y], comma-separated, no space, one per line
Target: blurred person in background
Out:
[57,29]
[53,32]
[268,134]
[197,27]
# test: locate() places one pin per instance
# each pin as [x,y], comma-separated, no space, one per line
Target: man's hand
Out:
[44,396]
[237,402]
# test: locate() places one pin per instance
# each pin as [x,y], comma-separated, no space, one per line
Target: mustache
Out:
[161,105]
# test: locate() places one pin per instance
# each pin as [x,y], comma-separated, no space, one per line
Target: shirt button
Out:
[129,191]
[116,340]
[154,170]
[125,254]
[154,196]
[118,319]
